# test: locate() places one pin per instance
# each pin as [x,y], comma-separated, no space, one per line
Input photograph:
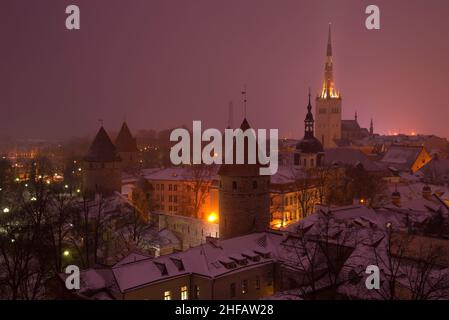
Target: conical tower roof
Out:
[245,169]
[125,142]
[102,149]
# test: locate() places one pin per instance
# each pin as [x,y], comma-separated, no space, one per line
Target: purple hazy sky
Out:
[164,63]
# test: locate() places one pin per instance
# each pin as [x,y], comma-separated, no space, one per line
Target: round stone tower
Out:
[244,200]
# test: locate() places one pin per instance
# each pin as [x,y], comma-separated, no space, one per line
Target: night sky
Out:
[164,63]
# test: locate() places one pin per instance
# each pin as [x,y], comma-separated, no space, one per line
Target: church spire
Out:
[329,42]
[329,91]
[371,127]
[308,121]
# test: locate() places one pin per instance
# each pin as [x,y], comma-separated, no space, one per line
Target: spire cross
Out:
[101,121]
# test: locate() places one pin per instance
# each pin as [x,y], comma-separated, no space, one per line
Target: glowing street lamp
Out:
[66,253]
[213,217]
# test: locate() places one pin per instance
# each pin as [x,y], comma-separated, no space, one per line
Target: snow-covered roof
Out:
[210,259]
[352,157]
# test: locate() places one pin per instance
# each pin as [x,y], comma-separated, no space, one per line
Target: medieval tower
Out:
[127,148]
[244,199]
[102,166]
[328,105]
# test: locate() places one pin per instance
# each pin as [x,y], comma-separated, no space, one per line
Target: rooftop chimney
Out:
[396,198]
[427,192]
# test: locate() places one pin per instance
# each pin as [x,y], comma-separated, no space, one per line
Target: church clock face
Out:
[224,150]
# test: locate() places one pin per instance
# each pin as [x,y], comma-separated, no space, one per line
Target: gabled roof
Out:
[102,149]
[350,125]
[125,142]
[352,157]
[402,156]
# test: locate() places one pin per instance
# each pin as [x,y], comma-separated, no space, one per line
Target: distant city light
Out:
[48,181]
[66,186]
[213,217]
[66,253]
[5,210]
[78,190]
[17,179]
[33,199]
[13,240]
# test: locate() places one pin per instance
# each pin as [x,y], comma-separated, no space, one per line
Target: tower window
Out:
[257,283]
[254,184]
[305,162]
[234,185]
[311,162]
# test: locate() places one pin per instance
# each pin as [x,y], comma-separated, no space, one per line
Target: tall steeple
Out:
[329,42]
[308,121]
[371,128]
[328,104]
[329,91]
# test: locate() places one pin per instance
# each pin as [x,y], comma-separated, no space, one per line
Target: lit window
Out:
[167,295]
[184,295]
[244,286]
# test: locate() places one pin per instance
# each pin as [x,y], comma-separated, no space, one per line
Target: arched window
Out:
[254,184]
[234,185]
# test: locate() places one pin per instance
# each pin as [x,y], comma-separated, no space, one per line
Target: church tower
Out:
[244,199]
[328,104]
[102,167]
[309,151]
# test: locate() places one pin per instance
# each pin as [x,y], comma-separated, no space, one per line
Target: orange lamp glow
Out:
[213,217]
